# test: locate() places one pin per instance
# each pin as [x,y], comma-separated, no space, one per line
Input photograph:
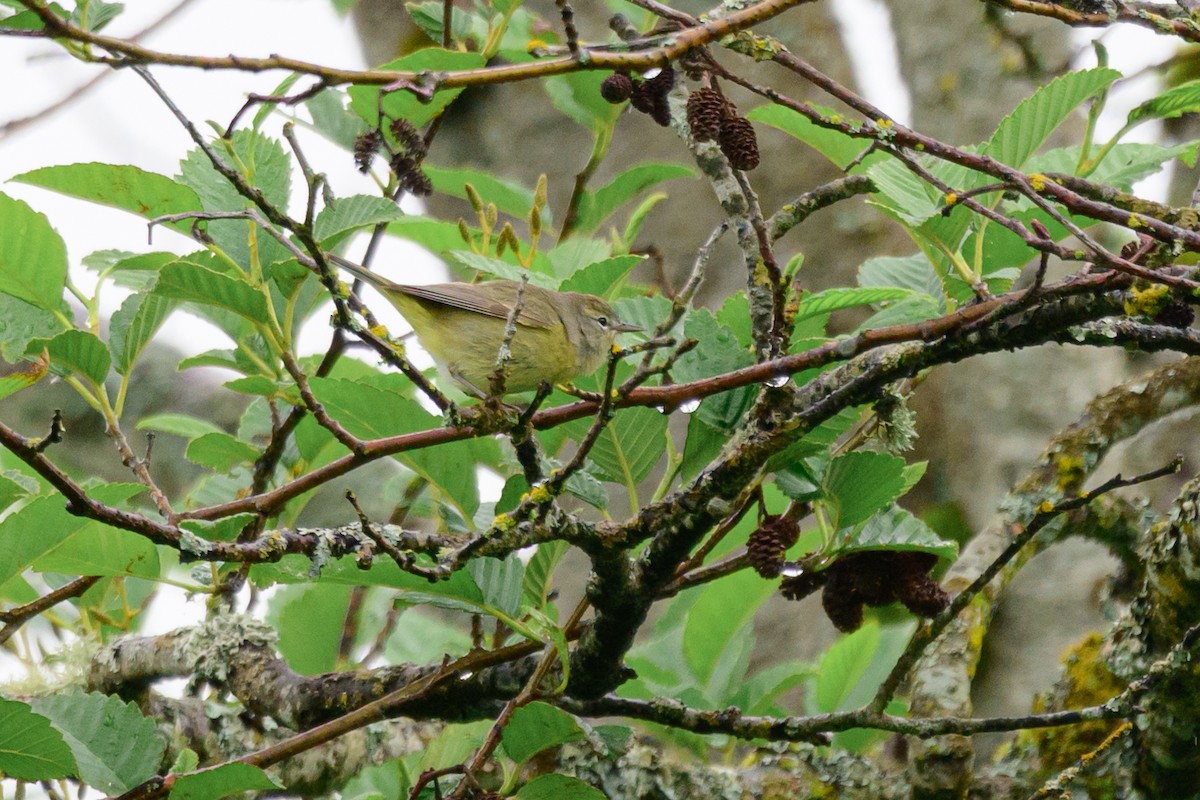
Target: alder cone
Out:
[616,88]
[738,143]
[706,110]
[767,545]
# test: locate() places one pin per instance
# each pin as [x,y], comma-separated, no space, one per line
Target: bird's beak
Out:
[625,327]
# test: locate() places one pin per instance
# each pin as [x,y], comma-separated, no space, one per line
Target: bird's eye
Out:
[603,321]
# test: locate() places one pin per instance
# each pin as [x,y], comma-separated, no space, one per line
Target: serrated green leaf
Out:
[30,748]
[434,235]
[577,94]
[369,412]
[501,269]
[510,197]
[184,280]
[33,258]
[179,424]
[365,100]
[598,205]
[914,308]
[351,213]
[21,323]
[540,570]
[333,120]
[558,787]
[909,199]
[842,665]
[222,781]
[896,529]
[54,524]
[128,188]
[837,299]
[534,727]
[97,549]
[833,144]
[1175,102]
[500,582]
[858,484]
[1022,132]
[310,619]
[719,352]
[133,325]
[220,451]
[265,165]
[76,352]
[914,273]
[603,278]
[25,375]
[454,745]
[723,613]
[115,747]
[628,448]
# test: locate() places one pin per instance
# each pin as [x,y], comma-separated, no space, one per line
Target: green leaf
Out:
[178,424]
[837,299]
[33,258]
[14,486]
[914,273]
[536,726]
[602,278]
[833,144]
[310,619]
[351,213]
[49,517]
[598,205]
[332,119]
[577,94]
[914,308]
[128,188]
[133,325]
[21,323]
[628,448]
[265,165]
[30,748]
[909,199]
[75,352]
[434,235]
[1124,165]
[842,665]
[558,787]
[454,745]
[220,451]
[184,280]
[115,747]
[719,352]
[96,549]
[539,572]
[860,483]
[896,529]
[365,100]
[501,269]
[25,375]
[723,614]
[369,412]
[1022,132]
[500,582]
[1175,102]
[222,781]
[510,197]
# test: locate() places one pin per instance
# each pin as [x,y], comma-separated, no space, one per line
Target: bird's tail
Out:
[358,271]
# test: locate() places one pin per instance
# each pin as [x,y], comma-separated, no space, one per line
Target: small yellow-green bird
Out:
[559,335]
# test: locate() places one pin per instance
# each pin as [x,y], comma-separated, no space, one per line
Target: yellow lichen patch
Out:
[1038,182]
[951,199]
[1147,302]
[1070,470]
[502,522]
[1045,507]
[1086,681]
[1135,221]
[539,494]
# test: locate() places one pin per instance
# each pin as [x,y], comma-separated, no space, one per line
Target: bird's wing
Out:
[536,312]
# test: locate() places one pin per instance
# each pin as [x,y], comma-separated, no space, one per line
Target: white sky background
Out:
[122,122]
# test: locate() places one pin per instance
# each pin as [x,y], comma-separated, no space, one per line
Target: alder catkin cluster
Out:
[648,96]
[712,116]
[768,544]
[404,161]
[871,578]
